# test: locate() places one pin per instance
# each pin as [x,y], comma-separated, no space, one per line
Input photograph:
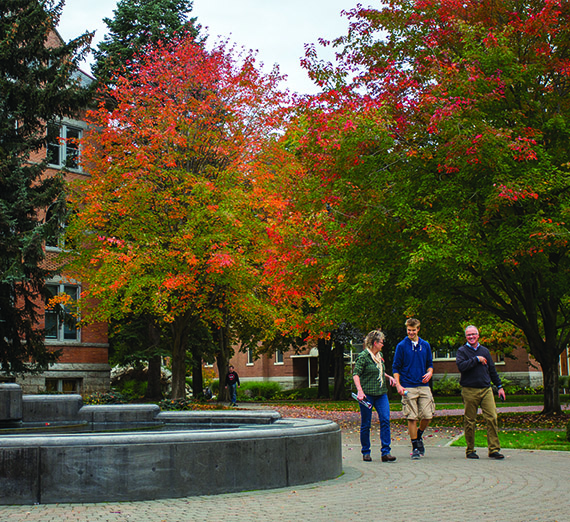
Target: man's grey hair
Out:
[471,326]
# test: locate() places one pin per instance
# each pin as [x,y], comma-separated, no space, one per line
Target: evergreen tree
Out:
[138,23]
[38,83]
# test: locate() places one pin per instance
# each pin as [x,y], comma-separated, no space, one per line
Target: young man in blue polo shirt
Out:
[413,369]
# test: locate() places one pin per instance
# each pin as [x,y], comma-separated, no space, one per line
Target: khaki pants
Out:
[474,398]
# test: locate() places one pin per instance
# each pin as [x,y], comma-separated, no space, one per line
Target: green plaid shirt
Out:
[367,370]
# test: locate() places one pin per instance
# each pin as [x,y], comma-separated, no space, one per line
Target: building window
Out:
[60,323]
[445,353]
[63,385]
[278,357]
[250,357]
[55,239]
[63,146]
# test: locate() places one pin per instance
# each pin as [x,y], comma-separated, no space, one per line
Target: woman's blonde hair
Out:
[372,337]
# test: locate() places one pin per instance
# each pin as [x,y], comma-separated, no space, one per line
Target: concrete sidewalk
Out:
[442,486]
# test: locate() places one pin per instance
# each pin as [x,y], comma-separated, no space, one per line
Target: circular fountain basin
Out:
[192,453]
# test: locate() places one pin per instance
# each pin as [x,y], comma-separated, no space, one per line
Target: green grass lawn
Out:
[532,440]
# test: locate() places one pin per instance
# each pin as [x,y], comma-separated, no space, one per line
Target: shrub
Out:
[133,389]
[448,386]
[186,405]
[259,390]
[510,387]
[303,394]
[110,397]
[177,404]
[568,431]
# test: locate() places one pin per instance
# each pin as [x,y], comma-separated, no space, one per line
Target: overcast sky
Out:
[277,29]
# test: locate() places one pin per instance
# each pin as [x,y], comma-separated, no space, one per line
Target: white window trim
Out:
[61,282]
[76,124]
[249,354]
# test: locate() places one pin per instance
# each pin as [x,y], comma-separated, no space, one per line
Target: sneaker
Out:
[496,455]
[416,454]
[366,458]
[472,455]
[388,458]
[421,447]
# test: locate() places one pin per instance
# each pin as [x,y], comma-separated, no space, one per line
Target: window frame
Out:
[63,145]
[62,328]
[58,385]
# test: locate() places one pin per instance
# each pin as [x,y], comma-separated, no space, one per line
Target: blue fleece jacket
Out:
[412,364]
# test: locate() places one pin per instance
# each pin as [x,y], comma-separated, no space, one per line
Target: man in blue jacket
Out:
[477,371]
[413,369]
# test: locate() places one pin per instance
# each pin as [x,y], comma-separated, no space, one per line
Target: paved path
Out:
[443,486]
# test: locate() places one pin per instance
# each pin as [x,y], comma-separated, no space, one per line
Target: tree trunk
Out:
[547,352]
[179,333]
[339,385]
[324,348]
[154,372]
[154,376]
[197,378]
[222,361]
[551,387]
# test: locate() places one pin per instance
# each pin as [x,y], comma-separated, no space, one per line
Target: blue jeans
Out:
[233,392]
[382,406]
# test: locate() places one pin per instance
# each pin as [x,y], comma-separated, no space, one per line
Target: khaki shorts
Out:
[418,404]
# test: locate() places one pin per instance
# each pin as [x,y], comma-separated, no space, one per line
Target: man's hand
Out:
[482,359]
[427,376]
[502,394]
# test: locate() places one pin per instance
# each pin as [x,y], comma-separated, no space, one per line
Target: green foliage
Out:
[568,431]
[135,339]
[510,387]
[302,394]
[446,386]
[133,389]
[110,397]
[38,84]
[446,158]
[136,24]
[259,391]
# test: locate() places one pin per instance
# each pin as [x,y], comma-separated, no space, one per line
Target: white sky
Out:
[277,29]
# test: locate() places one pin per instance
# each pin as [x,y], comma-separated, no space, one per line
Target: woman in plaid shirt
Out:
[370,378]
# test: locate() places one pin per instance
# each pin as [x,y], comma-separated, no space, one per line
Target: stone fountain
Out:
[55,449]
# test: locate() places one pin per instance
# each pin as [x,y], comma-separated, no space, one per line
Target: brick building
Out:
[301,370]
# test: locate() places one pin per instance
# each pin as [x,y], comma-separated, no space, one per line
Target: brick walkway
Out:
[443,486]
